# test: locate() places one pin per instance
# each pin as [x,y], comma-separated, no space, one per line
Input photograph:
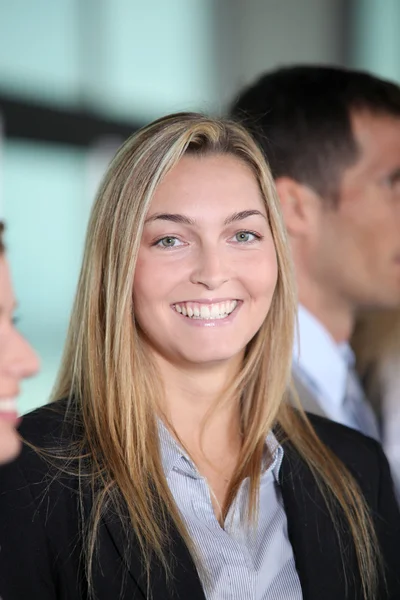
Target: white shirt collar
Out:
[319,360]
[172,454]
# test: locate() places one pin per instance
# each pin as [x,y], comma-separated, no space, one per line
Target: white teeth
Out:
[8,404]
[205,312]
[196,310]
[214,312]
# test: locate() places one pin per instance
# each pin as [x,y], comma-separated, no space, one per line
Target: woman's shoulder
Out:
[43,479]
[40,513]
[342,439]
[48,434]
[46,423]
[362,455]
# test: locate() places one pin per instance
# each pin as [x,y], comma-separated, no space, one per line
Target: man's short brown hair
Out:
[301,116]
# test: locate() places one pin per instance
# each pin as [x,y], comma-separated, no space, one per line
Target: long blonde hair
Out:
[108,374]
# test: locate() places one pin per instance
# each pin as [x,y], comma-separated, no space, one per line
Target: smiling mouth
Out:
[206,312]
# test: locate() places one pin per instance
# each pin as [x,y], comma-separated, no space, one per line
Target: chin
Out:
[210,358]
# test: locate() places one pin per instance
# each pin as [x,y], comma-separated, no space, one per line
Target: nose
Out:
[20,360]
[211,270]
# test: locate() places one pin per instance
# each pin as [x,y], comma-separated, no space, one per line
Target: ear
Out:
[300,206]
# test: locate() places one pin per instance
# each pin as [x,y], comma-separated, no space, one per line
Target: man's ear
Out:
[300,206]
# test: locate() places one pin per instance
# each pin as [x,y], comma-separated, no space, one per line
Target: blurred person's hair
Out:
[301,116]
[112,382]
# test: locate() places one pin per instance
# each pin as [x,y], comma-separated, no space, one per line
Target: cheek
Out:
[367,214]
[261,277]
[338,235]
[151,286]
[9,342]
[142,291]
[359,240]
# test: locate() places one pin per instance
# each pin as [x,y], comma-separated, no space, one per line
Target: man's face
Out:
[356,251]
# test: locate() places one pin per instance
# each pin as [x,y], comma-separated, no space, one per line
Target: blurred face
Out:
[17,360]
[357,251]
[207,267]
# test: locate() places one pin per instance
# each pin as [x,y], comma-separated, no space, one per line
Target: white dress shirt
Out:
[322,366]
[327,370]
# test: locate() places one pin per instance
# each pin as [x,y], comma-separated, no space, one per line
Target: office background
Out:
[78,76]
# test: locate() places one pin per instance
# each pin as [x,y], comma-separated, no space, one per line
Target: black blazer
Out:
[41,550]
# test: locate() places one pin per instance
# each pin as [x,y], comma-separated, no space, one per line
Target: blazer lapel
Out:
[320,561]
[184,583]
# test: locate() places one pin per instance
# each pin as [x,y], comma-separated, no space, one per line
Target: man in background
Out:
[332,138]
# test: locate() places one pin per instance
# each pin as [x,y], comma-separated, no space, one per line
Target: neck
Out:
[338,324]
[332,311]
[191,406]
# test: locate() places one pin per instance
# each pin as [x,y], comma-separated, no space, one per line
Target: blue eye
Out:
[245,236]
[167,242]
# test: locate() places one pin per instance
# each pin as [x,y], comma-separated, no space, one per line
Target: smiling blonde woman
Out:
[170,464]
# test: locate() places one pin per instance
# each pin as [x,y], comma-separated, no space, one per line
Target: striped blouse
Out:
[239,561]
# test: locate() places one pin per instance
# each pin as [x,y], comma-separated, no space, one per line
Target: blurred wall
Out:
[275,33]
[39,49]
[131,58]
[257,35]
[147,58]
[375,37]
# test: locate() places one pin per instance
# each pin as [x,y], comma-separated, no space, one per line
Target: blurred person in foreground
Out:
[376,345]
[17,361]
[170,464]
[332,139]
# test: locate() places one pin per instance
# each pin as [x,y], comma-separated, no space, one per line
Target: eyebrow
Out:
[183,219]
[243,214]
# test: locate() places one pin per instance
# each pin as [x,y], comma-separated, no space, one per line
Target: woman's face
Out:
[17,360]
[207,266]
